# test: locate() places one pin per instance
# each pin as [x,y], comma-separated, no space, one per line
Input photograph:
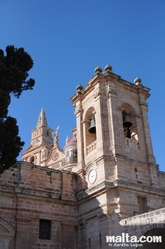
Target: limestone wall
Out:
[30,193]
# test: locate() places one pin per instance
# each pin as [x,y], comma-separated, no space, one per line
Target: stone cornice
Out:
[108,76]
[46,169]
[91,192]
[161,173]
[108,185]
[37,193]
[117,157]
[135,186]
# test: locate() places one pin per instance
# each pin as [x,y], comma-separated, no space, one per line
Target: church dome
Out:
[72,141]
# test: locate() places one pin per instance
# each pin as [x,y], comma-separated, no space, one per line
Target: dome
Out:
[72,141]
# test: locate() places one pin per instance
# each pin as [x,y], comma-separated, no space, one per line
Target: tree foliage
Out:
[14,67]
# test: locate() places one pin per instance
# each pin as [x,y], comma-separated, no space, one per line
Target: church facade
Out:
[105,182]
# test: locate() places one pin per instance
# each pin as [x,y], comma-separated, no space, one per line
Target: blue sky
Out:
[67,39]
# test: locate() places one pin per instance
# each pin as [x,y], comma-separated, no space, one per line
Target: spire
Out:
[42,121]
[42,134]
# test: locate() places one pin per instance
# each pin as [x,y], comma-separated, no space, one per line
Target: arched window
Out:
[71,156]
[32,159]
[75,156]
[90,130]
[130,127]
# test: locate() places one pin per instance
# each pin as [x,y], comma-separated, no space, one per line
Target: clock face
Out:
[92,176]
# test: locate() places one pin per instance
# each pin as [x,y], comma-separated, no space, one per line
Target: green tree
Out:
[14,78]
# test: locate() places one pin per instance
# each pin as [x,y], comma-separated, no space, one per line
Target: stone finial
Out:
[108,68]
[138,81]
[56,135]
[79,89]
[98,70]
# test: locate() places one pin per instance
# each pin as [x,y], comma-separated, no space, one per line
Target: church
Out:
[103,185]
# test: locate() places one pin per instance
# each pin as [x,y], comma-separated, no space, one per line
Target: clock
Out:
[92,176]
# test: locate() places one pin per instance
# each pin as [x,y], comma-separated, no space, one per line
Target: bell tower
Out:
[113,135]
[42,134]
[41,142]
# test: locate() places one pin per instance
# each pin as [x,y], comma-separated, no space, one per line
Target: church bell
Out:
[92,127]
[126,121]
[127,132]
[127,124]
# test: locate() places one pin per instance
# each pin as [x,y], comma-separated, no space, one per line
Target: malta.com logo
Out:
[125,240]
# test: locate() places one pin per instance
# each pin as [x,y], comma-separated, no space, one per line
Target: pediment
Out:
[26,150]
[56,156]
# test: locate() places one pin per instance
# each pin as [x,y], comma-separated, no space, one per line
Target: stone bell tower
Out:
[41,142]
[113,136]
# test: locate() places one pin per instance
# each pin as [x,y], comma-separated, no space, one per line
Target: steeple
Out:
[42,134]
[41,142]
[42,121]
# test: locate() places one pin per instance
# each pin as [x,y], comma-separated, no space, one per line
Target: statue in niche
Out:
[44,153]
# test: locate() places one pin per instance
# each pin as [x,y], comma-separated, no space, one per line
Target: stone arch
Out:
[32,159]
[149,227]
[89,113]
[127,102]
[6,234]
[130,134]
[153,230]
[128,108]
